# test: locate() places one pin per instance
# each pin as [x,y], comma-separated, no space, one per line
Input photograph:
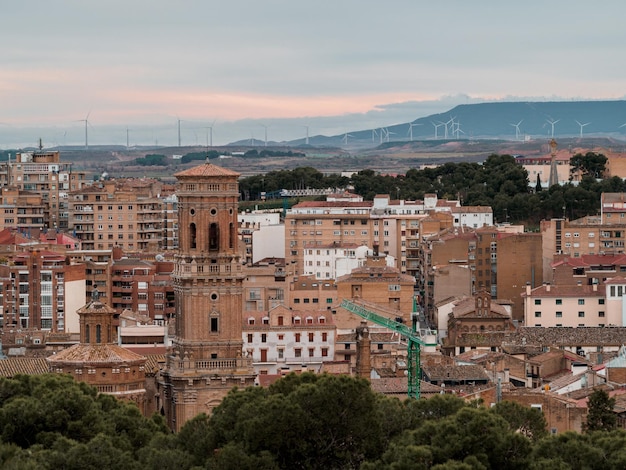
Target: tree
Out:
[600,416]
[538,186]
[590,164]
[530,422]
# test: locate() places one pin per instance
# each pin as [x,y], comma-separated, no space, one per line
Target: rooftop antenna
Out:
[517,133]
[581,127]
[552,122]
[410,133]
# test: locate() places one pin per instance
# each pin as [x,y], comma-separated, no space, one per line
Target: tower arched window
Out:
[214,234]
[98,334]
[231,235]
[87,331]
[192,236]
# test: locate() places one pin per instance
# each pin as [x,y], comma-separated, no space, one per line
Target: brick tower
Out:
[205,360]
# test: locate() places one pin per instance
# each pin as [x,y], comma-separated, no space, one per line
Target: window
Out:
[297,337]
[601,314]
[581,314]
[537,314]
[581,301]
[559,314]
[324,336]
[249,337]
[537,301]
[311,337]
[559,301]
[600,301]
[324,352]
[263,338]
[297,352]
[311,352]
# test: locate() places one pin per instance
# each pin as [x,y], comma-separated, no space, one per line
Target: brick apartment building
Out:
[42,290]
[124,213]
[43,173]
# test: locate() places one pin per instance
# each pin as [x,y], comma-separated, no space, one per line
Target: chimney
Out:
[547,287]
[595,287]
[528,288]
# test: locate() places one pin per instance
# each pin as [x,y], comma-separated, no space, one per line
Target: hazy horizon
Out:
[244,67]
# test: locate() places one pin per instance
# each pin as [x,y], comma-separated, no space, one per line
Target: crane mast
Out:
[414,340]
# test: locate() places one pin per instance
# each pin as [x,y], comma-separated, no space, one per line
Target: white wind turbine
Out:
[86,121]
[345,138]
[374,135]
[306,140]
[410,133]
[623,125]
[581,127]
[436,126]
[552,122]
[517,132]
[265,128]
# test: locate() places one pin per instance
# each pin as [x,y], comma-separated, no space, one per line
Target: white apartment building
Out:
[335,260]
[283,340]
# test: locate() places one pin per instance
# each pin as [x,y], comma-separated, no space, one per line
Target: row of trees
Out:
[303,421]
[499,182]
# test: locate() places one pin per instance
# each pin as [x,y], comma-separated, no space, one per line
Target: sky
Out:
[238,69]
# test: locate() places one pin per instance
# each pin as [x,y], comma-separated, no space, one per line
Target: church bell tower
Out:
[205,360]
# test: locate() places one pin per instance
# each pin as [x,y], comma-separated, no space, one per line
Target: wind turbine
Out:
[265,128]
[552,122]
[623,125]
[306,141]
[210,133]
[127,138]
[86,121]
[581,127]
[517,129]
[410,133]
[374,134]
[345,138]
[436,128]
[381,133]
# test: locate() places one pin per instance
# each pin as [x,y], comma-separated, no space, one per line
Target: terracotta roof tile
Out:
[95,354]
[208,169]
[23,365]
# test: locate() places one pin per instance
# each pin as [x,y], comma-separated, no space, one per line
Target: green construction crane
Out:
[414,341]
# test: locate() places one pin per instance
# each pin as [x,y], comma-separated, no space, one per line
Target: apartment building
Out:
[124,213]
[266,285]
[587,269]
[22,209]
[539,166]
[250,223]
[284,340]
[42,290]
[586,236]
[379,284]
[170,223]
[42,172]
[143,287]
[313,224]
[310,294]
[573,306]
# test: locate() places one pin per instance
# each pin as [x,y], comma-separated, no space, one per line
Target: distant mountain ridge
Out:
[501,120]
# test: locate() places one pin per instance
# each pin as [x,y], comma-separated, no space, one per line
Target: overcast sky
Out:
[334,66]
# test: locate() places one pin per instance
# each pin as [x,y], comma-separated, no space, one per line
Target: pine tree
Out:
[600,416]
